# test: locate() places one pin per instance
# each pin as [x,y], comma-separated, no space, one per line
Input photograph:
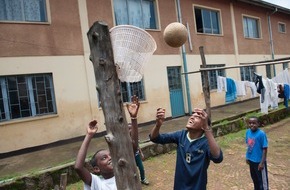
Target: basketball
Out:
[175,34]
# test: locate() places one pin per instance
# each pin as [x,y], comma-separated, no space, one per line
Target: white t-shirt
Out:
[99,183]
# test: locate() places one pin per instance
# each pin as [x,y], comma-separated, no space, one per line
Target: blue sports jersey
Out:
[192,160]
[256,142]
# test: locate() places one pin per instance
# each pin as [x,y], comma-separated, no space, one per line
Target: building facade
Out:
[47,80]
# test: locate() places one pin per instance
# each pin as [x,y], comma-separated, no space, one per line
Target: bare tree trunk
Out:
[205,87]
[108,87]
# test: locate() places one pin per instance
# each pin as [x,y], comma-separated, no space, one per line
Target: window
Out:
[269,71]
[140,13]
[207,21]
[251,27]
[26,96]
[129,89]
[282,27]
[247,73]
[212,76]
[285,65]
[23,10]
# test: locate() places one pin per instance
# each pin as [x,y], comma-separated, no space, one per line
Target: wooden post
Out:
[205,87]
[63,181]
[108,87]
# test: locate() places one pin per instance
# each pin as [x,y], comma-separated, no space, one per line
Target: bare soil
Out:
[233,172]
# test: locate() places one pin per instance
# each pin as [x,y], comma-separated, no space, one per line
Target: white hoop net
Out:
[132,48]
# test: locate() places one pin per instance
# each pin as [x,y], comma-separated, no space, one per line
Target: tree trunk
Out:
[108,87]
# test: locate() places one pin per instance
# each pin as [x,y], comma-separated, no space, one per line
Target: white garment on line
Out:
[241,88]
[221,84]
[282,77]
[265,104]
[273,93]
[253,88]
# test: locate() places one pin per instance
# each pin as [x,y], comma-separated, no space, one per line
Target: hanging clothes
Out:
[286,94]
[264,100]
[241,88]
[282,77]
[253,88]
[260,86]
[221,84]
[231,94]
[273,93]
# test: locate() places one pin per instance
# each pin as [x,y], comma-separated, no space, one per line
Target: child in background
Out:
[103,177]
[256,154]
[139,157]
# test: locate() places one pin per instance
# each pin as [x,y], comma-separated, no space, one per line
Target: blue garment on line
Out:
[231,94]
[286,94]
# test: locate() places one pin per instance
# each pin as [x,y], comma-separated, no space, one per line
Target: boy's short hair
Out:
[254,117]
[93,160]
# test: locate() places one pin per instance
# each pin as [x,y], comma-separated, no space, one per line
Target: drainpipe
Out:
[184,62]
[271,38]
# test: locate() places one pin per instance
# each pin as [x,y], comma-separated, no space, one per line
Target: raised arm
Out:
[83,172]
[133,109]
[160,116]
[213,146]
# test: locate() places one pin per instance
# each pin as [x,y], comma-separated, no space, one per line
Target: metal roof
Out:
[267,5]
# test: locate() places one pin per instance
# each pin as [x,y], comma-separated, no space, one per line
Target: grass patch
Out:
[223,122]
[254,114]
[227,140]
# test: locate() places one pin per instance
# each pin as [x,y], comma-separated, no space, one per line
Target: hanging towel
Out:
[286,94]
[231,93]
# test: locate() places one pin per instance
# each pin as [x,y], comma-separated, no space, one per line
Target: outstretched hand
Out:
[160,116]
[92,128]
[204,118]
[133,107]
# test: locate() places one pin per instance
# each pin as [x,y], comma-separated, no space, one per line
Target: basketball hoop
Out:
[132,48]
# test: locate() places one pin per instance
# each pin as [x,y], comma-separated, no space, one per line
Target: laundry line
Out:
[278,61]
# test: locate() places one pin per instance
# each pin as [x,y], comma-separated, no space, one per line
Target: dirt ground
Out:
[233,172]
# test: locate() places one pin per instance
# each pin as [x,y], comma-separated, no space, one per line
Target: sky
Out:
[282,3]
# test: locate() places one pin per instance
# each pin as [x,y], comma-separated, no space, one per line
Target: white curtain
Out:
[121,12]
[21,10]
[135,12]
[146,13]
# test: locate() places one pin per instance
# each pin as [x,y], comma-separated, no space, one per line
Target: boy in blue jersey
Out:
[256,154]
[196,147]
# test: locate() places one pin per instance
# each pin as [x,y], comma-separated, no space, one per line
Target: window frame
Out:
[285,65]
[212,78]
[46,12]
[156,14]
[259,27]
[250,70]
[279,28]
[130,93]
[28,90]
[219,19]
